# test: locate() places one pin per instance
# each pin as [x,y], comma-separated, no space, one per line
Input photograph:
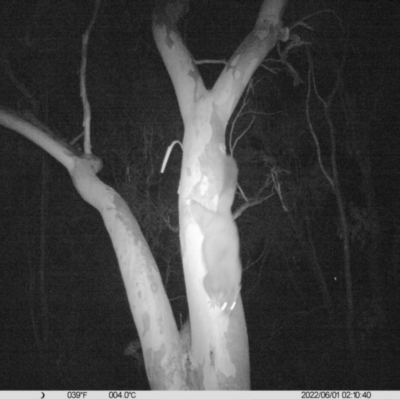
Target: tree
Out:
[218,355]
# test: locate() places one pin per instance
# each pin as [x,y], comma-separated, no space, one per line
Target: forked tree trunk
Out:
[219,355]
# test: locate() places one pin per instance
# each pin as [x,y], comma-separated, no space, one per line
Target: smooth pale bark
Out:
[219,348]
[148,302]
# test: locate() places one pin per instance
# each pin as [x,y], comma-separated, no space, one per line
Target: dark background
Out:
[65,320]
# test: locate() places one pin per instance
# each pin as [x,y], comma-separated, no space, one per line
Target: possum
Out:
[220,247]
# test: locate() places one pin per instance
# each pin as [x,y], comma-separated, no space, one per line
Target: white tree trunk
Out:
[219,346]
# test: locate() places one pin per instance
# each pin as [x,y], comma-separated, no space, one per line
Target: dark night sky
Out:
[72,333]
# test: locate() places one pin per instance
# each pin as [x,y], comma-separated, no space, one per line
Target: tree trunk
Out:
[219,355]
